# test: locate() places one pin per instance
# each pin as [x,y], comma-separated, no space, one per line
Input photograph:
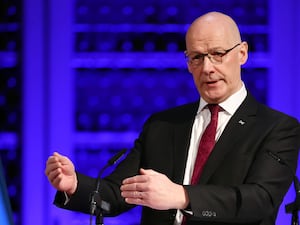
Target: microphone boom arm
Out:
[97,205]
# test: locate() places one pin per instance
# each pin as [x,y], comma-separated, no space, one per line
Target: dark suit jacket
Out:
[241,182]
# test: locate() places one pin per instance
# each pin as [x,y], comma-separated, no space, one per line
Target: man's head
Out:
[217,75]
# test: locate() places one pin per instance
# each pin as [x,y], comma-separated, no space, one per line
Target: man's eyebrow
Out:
[218,48]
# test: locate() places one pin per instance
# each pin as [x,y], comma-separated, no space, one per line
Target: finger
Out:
[133,194]
[134,201]
[52,175]
[127,187]
[135,179]
[56,154]
[56,181]
[148,172]
[52,159]
[134,187]
[136,197]
[52,166]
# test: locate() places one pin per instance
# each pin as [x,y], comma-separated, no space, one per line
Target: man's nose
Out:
[208,66]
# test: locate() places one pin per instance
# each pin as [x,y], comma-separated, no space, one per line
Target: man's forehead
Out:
[205,43]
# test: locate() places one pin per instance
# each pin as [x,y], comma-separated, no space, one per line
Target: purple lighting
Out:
[82,76]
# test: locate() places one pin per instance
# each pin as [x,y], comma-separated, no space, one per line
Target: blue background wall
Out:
[81,76]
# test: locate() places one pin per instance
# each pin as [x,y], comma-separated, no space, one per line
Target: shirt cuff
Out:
[67,198]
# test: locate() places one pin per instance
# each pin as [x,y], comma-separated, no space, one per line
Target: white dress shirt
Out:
[202,119]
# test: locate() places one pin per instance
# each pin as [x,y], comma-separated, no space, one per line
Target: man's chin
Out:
[213,97]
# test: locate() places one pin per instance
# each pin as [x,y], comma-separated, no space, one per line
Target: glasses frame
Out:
[210,56]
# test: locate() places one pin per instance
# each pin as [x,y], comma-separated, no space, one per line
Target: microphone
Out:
[294,206]
[95,196]
[113,160]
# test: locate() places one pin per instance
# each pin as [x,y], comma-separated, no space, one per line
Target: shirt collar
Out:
[231,104]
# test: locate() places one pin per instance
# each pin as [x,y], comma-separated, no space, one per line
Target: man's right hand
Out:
[61,173]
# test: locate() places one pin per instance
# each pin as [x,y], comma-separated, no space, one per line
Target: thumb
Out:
[62,159]
[148,172]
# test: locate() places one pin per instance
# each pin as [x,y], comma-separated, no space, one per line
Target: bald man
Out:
[240,183]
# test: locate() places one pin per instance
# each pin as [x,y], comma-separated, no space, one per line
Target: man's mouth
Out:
[212,82]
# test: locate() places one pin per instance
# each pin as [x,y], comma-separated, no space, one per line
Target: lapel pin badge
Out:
[242,122]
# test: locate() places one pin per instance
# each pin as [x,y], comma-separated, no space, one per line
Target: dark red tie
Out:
[206,145]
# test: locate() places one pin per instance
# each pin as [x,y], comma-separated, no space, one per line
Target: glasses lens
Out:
[216,58]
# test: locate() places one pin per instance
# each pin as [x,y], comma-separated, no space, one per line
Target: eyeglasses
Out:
[215,57]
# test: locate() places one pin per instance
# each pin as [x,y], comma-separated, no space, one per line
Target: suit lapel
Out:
[182,136]
[238,127]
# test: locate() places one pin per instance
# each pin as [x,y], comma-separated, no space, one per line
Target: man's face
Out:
[216,81]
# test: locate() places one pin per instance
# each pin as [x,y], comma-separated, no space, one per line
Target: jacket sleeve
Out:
[109,188]
[264,180]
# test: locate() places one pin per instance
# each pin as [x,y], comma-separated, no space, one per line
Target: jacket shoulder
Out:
[177,114]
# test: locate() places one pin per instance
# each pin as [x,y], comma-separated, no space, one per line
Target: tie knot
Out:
[213,108]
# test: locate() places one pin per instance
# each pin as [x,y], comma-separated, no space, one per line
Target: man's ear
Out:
[189,67]
[243,54]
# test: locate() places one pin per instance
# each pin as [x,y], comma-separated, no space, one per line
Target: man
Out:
[240,183]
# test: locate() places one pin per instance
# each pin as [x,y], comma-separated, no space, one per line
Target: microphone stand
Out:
[97,205]
[294,207]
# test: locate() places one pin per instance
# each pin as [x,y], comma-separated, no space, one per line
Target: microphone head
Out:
[116,157]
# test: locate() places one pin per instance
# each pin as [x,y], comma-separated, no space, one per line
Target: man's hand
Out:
[154,190]
[61,173]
